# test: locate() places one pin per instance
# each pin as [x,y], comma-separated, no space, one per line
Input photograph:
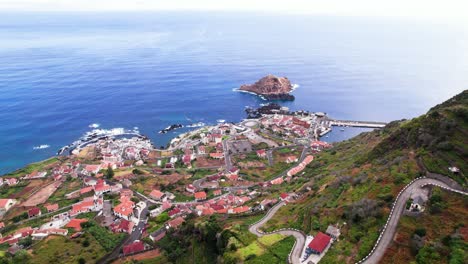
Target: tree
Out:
[21,257]
[109,172]
[81,261]
[26,242]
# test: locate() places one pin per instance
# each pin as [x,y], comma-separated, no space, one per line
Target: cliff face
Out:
[271,87]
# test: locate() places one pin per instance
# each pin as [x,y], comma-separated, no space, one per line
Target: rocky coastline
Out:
[271,87]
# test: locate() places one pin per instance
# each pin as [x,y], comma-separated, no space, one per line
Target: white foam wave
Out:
[94,125]
[294,87]
[41,147]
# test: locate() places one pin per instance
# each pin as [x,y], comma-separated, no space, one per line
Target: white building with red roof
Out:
[124,209]
[6,204]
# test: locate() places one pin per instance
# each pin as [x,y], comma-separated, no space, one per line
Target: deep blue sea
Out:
[61,72]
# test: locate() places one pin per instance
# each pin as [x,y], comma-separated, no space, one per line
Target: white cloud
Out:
[434,9]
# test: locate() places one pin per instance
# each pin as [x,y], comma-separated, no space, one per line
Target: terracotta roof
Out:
[76,224]
[320,242]
[176,222]
[125,208]
[156,194]
[134,247]
[86,189]
[34,211]
[174,211]
[4,202]
[241,209]
[200,195]
[52,207]
[216,155]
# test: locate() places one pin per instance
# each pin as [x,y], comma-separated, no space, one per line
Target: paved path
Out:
[295,256]
[390,227]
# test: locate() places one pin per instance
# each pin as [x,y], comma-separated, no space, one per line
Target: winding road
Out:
[390,227]
[295,256]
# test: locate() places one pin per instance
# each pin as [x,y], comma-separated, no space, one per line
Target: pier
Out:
[350,123]
[324,125]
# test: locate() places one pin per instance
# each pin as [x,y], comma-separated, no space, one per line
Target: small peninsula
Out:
[271,87]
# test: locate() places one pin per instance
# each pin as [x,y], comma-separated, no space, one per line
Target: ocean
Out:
[62,72]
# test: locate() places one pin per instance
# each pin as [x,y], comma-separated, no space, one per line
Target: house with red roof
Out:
[86,190]
[127,193]
[233,171]
[301,166]
[319,243]
[122,226]
[158,195]
[291,159]
[174,223]
[35,211]
[217,155]
[6,204]
[200,196]
[239,210]
[102,187]
[201,150]
[52,207]
[91,169]
[133,248]
[277,181]
[217,192]
[76,224]
[261,153]
[284,196]
[166,205]
[87,205]
[124,209]
[190,188]
[11,181]
[174,212]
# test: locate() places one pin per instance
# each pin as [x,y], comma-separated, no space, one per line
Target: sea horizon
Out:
[62,72]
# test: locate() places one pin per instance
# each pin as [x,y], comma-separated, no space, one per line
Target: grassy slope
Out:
[441,233]
[376,166]
[59,249]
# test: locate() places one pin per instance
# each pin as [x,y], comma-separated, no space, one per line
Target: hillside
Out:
[355,183]
[352,185]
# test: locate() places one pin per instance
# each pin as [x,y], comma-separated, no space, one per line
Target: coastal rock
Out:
[271,87]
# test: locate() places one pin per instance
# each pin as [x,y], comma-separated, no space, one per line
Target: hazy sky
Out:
[431,9]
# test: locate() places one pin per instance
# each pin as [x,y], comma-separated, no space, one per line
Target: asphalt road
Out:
[387,237]
[300,237]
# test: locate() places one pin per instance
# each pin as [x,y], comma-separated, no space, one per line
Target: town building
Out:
[6,204]
[319,243]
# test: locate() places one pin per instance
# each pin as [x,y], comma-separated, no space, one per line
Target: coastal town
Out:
[129,187]
[128,194]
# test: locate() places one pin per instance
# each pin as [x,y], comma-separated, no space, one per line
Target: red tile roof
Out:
[86,189]
[156,194]
[34,211]
[200,195]
[52,207]
[76,224]
[176,222]
[134,247]
[320,242]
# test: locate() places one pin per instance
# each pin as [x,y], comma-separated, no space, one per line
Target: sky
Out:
[425,9]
